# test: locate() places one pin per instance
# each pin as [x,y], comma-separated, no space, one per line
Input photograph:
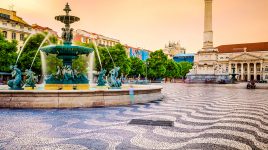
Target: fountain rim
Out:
[56,49]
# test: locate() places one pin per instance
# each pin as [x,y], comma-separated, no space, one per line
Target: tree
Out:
[80,64]
[172,69]
[8,54]
[157,64]
[137,67]
[119,57]
[185,67]
[28,54]
[52,62]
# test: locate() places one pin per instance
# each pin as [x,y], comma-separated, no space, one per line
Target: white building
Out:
[250,60]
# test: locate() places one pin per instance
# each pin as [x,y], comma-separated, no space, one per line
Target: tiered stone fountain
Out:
[67,78]
[69,88]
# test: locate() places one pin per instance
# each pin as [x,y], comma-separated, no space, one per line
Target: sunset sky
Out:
[152,23]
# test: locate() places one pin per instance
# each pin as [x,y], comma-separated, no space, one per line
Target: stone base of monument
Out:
[208,78]
[66,87]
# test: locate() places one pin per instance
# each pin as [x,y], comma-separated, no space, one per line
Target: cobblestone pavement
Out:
[206,117]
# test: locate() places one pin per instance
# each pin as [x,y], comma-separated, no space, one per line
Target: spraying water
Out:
[97,51]
[43,42]
[110,55]
[26,41]
[23,47]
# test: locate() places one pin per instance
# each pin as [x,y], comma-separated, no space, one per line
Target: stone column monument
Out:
[208,33]
[206,68]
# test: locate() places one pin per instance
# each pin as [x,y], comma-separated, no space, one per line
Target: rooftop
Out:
[249,47]
[11,15]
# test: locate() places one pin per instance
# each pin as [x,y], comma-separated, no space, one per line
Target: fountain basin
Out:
[66,50]
[79,98]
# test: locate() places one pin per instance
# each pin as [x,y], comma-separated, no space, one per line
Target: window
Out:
[13,36]
[266,76]
[21,37]
[21,27]
[4,24]
[5,34]
[14,25]
[266,69]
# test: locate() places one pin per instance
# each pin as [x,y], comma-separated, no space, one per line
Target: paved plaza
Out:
[205,117]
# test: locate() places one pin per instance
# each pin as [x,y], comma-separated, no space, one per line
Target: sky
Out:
[151,24]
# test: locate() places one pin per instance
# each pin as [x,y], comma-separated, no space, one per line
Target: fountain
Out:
[69,88]
[66,78]
[233,78]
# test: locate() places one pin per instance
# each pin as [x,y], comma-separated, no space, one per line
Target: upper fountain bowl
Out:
[66,19]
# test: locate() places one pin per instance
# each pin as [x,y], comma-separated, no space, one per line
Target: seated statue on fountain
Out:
[16,83]
[68,74]
[79,77]
[113,81]
[31,79]
[101,80]
[67,35]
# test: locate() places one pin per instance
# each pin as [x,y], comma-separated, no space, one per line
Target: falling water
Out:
[91,66]
[97,51]
[43,42]
[23,47]
[110,55]
[44,66]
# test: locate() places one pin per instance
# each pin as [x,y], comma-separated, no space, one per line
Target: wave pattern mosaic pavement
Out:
[205,117]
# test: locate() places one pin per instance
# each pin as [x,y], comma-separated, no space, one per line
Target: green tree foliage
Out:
[172,69]
[80,64]
[137,67]
[8,54]
[29,51]
[185,67]
[52,62]
[119,56]
[157,64]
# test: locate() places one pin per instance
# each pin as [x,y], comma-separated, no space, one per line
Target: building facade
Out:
[37,29]
[184,57]
[141,53]
[87,37]
[14,27]
[172,49]
[250,60]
